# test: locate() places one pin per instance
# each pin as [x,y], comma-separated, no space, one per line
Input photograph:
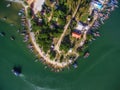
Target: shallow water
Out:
[98,72]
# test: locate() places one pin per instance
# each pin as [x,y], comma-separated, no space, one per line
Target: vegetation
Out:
[29,15]
[52,54]
[50,22]
[80,50]
[66,43]
[89,37]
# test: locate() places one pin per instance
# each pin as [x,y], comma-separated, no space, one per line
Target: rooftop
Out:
[37,4]
[80,26]
[76,35]
[96,5]
[102,1]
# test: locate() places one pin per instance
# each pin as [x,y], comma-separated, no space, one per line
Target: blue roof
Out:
[98,5]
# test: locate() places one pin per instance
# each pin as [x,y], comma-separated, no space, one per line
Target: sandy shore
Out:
[42,54]
[45,58]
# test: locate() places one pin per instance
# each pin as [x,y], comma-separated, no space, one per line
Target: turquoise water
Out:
[98,72]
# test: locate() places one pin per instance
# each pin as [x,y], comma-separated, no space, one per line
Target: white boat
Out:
[2,34]
[16,71]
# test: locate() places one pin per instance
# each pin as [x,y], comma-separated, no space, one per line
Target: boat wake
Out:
[22,76]
[33,86]
[100,60]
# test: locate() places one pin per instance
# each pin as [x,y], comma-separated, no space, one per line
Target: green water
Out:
[98,72]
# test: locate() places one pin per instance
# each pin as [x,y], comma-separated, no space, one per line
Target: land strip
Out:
[66,28]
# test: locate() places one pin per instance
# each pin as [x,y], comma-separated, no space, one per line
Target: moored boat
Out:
[86,54]
[75,64]
[12,38]
[16,71]
[2,33]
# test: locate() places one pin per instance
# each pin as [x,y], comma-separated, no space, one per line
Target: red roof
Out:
[76,35]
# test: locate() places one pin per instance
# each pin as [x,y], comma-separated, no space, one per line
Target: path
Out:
[65,29]
[36,46]
[85,33]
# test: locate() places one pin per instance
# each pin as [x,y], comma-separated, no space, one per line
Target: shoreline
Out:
[36,47]
[45,59]
[53,64]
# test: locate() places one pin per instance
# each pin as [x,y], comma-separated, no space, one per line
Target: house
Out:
[80,26]
[102,1]
[76,35]
[36,5]
[96,5]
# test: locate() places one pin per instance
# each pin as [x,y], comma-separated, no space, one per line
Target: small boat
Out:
[86,54]
[12,38]
[101,19]
[8,5]
[75,64]
[36,59]
[16,71]
[4,18]
[2,33]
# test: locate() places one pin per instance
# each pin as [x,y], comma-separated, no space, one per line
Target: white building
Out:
[38,5]
[82,27]
[102,1]
[96,5]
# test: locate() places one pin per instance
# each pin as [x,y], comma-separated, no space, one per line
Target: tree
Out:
[52,54]
[47,2]
[68,17]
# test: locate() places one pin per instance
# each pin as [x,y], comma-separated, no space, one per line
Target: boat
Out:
[75,64]
[86,54]
[102,20]
[2,33]
[12,38]
[16,71]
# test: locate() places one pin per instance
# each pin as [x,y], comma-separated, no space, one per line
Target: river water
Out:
[100,71]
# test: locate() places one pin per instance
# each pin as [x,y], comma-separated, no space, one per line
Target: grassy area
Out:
[48,25]
[10,12]
[84,17]
[54,16]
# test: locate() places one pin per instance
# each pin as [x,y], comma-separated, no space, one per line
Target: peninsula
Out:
[59,30]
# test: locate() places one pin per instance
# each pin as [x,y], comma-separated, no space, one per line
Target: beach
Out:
[54,64]
[45,58]
[100,71]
